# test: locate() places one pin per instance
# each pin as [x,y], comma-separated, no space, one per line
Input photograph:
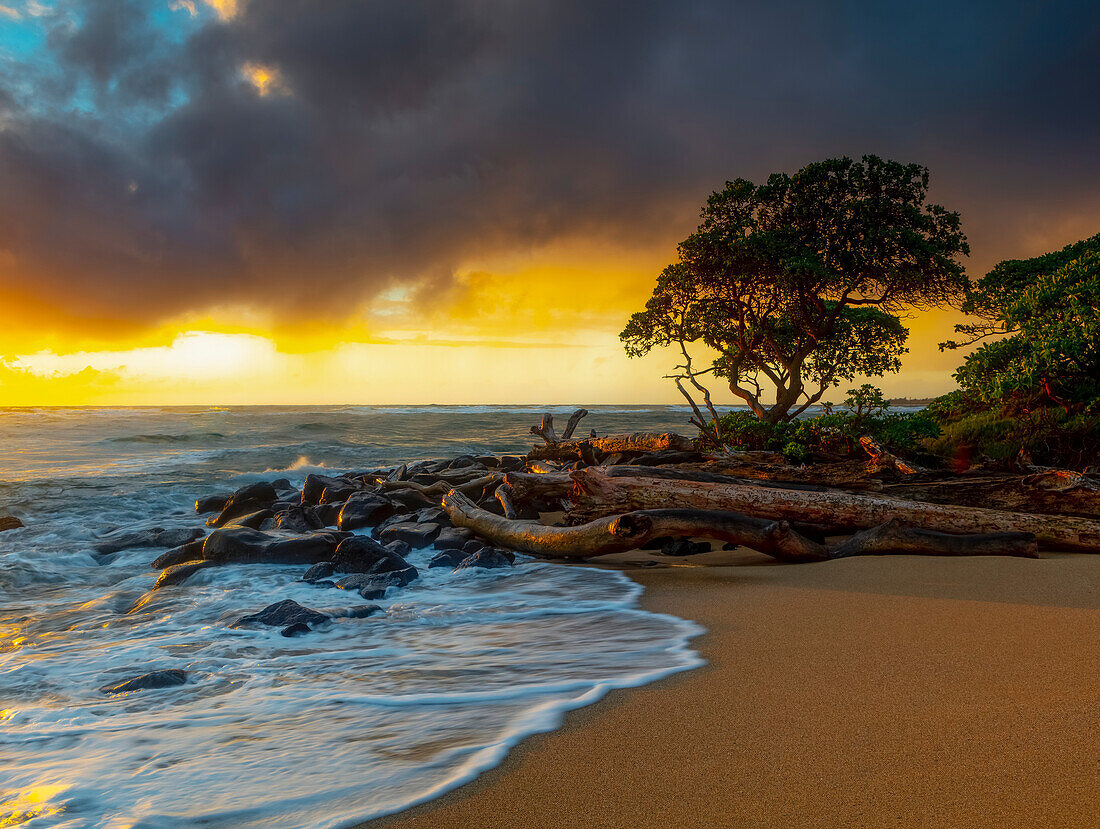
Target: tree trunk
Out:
[597,493]
[616,534]
[571,450]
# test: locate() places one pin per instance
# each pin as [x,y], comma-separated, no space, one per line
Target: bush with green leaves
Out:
[1049,308]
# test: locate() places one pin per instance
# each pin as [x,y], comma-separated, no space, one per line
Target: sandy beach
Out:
[892,691]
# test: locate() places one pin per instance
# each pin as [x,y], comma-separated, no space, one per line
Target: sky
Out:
[414,201]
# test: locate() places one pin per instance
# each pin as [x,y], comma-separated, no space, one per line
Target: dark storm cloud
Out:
[142,172]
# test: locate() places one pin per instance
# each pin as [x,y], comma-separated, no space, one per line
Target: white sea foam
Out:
[359,718]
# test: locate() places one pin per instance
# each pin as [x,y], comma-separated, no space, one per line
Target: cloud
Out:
[149,169]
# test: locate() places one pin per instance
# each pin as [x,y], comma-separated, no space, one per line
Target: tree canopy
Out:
[797,283]
[1049,307]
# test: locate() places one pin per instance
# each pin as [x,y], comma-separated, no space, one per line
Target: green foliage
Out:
[1053,356]
[834,433]
[797,283]
[865,400]
[1049,435]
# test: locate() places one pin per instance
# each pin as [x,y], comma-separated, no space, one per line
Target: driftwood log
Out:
[619,533]
[593,448]
[598,494]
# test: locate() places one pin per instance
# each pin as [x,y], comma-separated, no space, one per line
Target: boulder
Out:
[153,679]
[253,520]
[358,612]
[379,580]
[487,559]
[298,519]
[318,572]
[452,538]
[212,503]
[412,533]
[179,573]
[327,514]
[245,500]
[448,558]
[473,546]
[463,461]
[240,545]
[191,551]
[360,554]
[400,547]
[296,629]
[364,509]
[323,489]
[488,461]
[283,486]
[282,614]
[431,515]
[410,498]
[148,537]
[9,522]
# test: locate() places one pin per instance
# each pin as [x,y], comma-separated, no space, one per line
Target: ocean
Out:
[360,719]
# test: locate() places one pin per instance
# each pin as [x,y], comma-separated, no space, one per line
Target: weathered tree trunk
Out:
[883,459]
[616,534]
[572,450]
[597,494]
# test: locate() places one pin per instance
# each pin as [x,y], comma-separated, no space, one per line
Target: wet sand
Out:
[881,691]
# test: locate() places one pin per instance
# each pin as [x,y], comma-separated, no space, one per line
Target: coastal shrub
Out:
[831,434]
[1049,436]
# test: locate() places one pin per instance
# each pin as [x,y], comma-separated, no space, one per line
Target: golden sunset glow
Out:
[266,79]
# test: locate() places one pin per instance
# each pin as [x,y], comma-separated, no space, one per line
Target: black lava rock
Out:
[179,573]
[364,509]
[297,629]
[154,679]
[319,571]
[417,535]
[281,614]
[452,538]
[245,500]
[487,559]
[448,558]
[240,545]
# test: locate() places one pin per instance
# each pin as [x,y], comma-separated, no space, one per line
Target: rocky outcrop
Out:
[364,509]
[282,614]
[154,679]
[179,573]
[240,545]
[487,559]
[323,489]
[191,551]
[247,499]
[147,537]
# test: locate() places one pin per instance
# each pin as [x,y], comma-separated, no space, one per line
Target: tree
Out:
[1052,353]
[797,283]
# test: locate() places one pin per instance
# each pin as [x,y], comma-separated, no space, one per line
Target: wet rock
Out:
[448,558]
[319,571]
[364,509]
[212,503]
[513,463]
[430,515]
[283,485]
[473,546]
[360,554]
[399,547]
[327,514]
[379,580]
[154,679]
[245,500]
[179,573]
[372,593]
[358,612]
[323,489]
[409,498]
[397,518]
[487,559]
[412,533]
[282,614]
[298,519]
[452,538]
[463,461]
[240,545]
[9,522]
[684,547]
[297,629]
[253,520]
[488,461]
[149,537]
[191,551]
